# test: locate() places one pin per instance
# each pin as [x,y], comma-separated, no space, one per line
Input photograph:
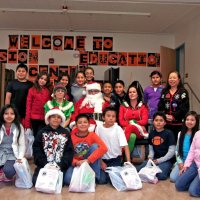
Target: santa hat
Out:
[55,111]
[93,86]
[59,86]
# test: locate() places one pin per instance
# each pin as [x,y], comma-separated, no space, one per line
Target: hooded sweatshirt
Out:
[53,145]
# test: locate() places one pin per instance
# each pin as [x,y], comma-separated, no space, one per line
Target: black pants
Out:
[37,125]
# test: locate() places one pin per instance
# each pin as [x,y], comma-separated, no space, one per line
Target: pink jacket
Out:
[35,105]
[194,153]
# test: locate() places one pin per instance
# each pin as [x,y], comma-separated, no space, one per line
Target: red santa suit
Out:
[134,120]
[92,104]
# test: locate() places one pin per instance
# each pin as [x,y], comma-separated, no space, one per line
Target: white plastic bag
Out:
[83,179]
[23,174]
[130,177]
[148,173]
[47,180]
[124,178]
[29,139]
[59,183]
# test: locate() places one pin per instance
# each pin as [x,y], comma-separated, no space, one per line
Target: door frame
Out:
[180,61]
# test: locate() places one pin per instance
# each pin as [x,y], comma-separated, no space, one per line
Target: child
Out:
[189,174]
[89,75]
[88,147]
[59,100]
[78,88]
[12,143]
[113,136]
[64,78]
[119,92]
[161,146]
[17,91]
[152,93]
[185,137]
[108,95]
[38,95]
[53,143]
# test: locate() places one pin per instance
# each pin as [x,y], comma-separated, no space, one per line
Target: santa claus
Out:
[92,104]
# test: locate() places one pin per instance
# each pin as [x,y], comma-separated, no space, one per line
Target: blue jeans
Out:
[113,162]
[190,181]
[164,166]
[95,166]
[174,173]
[8,169]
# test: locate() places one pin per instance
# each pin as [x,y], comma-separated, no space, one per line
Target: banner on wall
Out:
[22,56]
[12,56]
[58,43]
[24,41]
[142,59]
[151,61]
[36,42]
[13,41]
[33,71]
[33,56]
[3,55]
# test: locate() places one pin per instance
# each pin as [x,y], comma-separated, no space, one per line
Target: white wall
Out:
[121,43]
[190,36]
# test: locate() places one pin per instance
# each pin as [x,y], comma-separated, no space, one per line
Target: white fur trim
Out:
[55,112]
[93,86]
[72,124]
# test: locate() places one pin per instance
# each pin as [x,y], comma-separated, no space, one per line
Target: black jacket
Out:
[40,157]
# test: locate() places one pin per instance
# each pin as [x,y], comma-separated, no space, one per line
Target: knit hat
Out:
[93,86]
[59,86]
[55,111]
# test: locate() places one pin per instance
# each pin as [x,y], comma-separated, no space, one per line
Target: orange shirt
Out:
[82,145]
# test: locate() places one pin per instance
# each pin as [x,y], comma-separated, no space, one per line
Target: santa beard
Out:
[94,101]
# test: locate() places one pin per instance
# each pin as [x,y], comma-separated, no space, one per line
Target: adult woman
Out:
[174,102]
[59,100]
[133,115]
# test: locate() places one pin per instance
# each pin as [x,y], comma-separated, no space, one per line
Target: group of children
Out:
[54,143]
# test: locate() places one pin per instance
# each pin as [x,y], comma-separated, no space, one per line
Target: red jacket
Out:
[139,114]
[85,109]
[35,105]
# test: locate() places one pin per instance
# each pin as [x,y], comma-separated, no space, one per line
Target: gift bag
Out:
[124,178]
[23,174]
[29,139]
[47,180]
[83,179]
[148,173]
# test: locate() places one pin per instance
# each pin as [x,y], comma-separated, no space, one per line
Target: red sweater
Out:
[82,144]
[35,104]
[139,114]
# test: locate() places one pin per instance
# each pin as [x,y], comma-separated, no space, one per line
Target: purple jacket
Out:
[152,98]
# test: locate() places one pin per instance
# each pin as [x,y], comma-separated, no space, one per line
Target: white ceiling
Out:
[83,16]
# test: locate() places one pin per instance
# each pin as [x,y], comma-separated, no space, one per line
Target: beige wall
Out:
[190,36]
